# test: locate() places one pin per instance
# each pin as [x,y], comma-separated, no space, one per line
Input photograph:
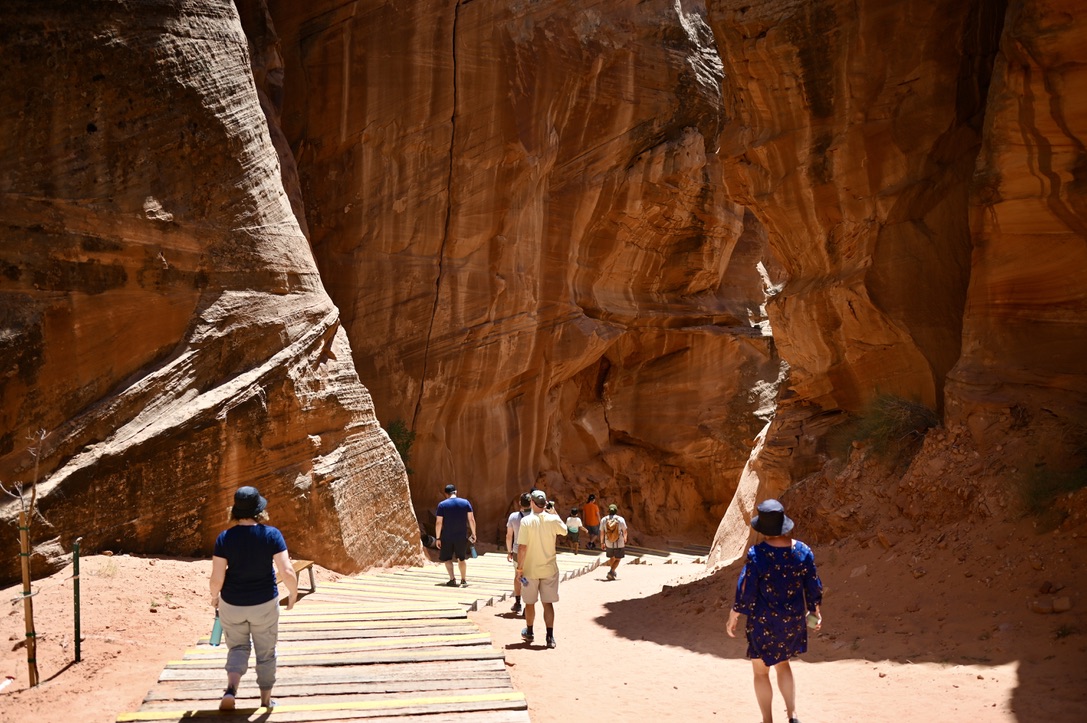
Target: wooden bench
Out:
[299,566]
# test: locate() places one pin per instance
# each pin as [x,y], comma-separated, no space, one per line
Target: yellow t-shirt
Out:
[537,536]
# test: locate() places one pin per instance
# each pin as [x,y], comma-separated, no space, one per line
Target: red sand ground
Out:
[958,642]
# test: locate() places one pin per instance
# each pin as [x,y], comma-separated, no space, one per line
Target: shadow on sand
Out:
[877,607]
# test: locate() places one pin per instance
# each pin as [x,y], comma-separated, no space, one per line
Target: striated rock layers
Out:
[654,250]
[165,334]
[1024,356]
[552,230]
[518,208]
[918,166]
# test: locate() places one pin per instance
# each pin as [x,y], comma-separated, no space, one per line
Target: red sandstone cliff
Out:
[519,210]
[166,334]
[592,248]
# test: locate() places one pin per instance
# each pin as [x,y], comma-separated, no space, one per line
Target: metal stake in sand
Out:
[75,591]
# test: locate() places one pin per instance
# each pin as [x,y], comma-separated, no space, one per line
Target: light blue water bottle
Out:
[216,631]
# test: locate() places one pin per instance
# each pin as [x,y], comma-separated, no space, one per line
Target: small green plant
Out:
[1064,631]
[402,438]
[108,569]
[893,427]
[1040,489]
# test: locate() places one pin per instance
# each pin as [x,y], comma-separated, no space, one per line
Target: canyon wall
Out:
[599,249]
[166,336]
[659,251]
[918,166]
[518,209]
[1024,356]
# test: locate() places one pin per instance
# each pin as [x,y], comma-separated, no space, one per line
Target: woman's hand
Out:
[215,600]
[733,621]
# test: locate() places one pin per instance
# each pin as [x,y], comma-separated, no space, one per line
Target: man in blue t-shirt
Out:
[456,531]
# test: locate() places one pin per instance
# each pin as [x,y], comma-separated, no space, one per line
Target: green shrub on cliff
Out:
[1041,488]
[402,438]
[892,427]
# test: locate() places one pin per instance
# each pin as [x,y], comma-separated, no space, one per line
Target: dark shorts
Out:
[593,529]
[459,548]
[615,552]
[572,536]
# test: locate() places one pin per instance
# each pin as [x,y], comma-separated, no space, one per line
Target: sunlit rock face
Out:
[1024,359]
[853,137]
[918,168]
[165,334]
[855,128]
[518,209]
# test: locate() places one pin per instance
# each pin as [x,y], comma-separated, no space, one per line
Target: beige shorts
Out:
[546,590]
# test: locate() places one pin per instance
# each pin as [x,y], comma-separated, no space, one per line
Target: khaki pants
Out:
[256,623]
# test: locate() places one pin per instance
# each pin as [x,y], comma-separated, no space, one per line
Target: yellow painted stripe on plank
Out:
[152,715]
[289,647]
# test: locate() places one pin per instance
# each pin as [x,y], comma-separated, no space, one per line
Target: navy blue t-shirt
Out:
[454,513]
[250,572]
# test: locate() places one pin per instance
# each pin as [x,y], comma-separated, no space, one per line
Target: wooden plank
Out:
[411,623]
[330,697]
[316,603]
[377,656]
[353,708]
[345,633]
[307,646]
[383,646]
[438,613]
[287,689]
[373,672]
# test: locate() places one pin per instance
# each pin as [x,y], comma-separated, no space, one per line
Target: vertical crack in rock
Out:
[448,221]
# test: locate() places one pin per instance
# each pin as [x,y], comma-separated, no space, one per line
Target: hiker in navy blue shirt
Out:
[243,588]
[456,531]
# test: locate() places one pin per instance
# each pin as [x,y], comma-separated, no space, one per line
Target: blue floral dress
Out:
[777,588]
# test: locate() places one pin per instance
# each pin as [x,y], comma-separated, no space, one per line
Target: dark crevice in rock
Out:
[447,222]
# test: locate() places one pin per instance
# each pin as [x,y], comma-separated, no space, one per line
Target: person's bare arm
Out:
[218,576]
[285,569]
[472,526]
[521,557]
[509,541]
[733,621]
[438,533]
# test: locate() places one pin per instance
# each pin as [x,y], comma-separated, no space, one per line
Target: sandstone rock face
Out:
[518,209]
[855,128]
[166,336]
[884,161]
[649,249]
[1024,359]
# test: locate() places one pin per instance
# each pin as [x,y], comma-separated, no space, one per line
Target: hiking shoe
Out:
[464,583]
[551,641]
[526,635]
[516,609]
[227,703]
[611,574]
[451,583]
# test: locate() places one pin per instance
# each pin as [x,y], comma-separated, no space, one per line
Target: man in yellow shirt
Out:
[536,563]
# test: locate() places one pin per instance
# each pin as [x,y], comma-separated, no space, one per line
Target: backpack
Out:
[611,530]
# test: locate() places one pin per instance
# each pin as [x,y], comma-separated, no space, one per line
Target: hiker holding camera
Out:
[537,565]
[613,535]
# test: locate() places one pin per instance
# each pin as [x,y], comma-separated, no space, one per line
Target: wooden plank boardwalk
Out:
[386,645]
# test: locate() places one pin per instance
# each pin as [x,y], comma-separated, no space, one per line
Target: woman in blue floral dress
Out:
[778,587]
